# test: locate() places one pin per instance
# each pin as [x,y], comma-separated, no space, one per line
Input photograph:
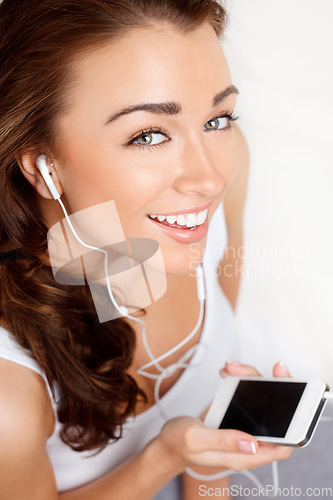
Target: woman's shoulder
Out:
[26,421]
[24,394]
[24,401]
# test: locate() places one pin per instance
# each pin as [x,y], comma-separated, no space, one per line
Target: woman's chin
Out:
[184,262]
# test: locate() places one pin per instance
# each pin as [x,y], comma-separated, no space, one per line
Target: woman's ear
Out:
[27,164]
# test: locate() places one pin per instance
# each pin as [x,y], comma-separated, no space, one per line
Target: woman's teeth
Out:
[189,220]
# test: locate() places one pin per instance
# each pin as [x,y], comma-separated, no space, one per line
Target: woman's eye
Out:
[217,123]
[150,139]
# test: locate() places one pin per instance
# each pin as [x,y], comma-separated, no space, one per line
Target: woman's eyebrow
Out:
[221,96]
[158,108]
[168,108]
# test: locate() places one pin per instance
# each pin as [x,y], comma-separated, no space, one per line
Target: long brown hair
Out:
[85,359]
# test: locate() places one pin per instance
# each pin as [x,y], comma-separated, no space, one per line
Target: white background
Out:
[281,57]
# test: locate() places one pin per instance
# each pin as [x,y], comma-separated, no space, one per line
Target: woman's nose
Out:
[198,172]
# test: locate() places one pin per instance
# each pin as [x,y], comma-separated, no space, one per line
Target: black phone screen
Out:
[263,408]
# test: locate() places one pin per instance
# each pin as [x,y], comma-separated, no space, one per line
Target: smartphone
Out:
[279,411]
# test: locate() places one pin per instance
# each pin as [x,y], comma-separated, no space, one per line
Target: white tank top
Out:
[190,395]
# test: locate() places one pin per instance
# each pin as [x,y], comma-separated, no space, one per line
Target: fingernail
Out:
[233,362]
[246,446]
[284,368]
[224,374]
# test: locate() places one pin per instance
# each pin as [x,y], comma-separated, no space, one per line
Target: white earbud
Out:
[45,173]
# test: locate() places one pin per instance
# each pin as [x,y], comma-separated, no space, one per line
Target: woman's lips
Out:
[190,230]
[182,220]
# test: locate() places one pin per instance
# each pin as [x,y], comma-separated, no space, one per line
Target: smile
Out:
[183,221]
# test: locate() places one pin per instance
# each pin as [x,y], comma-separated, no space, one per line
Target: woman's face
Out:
[149,127]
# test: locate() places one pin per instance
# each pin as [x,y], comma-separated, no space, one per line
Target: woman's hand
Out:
[191,444]
[237,369]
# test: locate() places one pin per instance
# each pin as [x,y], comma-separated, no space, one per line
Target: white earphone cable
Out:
[166,372]
[142,369]
[124,311]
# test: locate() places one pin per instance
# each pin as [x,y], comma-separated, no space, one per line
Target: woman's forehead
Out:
[152,64]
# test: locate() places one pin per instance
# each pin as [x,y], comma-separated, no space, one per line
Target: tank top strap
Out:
[12,351]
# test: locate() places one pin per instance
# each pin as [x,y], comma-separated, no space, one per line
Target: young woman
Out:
[132,102]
